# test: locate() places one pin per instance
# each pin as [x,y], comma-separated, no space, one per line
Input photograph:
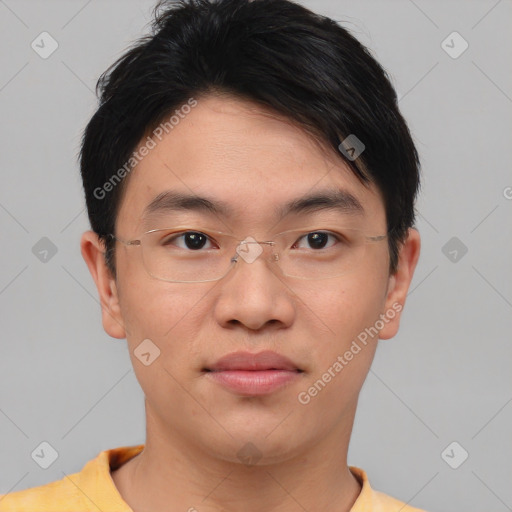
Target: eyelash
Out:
[168,241]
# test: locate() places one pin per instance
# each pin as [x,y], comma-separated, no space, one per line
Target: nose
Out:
[250,249]
[254,293]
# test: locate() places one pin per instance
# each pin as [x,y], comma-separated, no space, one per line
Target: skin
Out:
[234,150]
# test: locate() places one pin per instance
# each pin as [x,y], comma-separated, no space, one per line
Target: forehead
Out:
[254,163]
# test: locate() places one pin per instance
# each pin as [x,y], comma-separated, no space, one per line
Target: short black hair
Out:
[276,53]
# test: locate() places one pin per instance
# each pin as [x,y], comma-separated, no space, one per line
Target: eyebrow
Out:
[329,199]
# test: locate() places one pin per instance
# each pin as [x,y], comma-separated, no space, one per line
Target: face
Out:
[233,152]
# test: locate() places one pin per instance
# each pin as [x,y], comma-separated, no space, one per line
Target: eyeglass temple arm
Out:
[126,242]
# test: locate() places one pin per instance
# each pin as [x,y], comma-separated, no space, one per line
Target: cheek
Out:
[342,355]
[347,304]
[159,310]
[170,320]
[171,315]
[150,308]
[344,311]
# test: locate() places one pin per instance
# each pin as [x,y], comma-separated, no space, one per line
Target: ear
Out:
[399,283]
[93,253]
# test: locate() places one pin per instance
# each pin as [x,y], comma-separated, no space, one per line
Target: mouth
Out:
[249,374]
[246,361]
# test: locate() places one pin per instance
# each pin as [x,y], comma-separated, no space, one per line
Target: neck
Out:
[174,471]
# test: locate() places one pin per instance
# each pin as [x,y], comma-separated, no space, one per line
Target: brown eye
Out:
[192,240]
[317,239]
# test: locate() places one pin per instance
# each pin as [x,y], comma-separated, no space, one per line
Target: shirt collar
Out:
[96,483]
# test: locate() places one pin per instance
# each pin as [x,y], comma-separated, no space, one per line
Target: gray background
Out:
[445,377]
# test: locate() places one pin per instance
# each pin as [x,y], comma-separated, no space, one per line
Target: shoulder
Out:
[55,496]
[91,489]
[376,501]
[388,503]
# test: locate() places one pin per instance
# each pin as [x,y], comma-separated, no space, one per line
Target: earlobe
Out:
[399,283]
[93,253]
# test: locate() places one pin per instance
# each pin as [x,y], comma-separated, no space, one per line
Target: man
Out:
[250,185]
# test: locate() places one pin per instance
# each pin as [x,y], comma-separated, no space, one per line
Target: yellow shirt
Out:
[93,490]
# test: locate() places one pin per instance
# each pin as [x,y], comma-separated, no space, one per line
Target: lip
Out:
[253,374]
[266,360]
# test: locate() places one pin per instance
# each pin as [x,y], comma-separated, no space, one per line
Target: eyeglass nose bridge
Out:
[250,250]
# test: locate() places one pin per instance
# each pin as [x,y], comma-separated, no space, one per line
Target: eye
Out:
[193,240]
[317,239]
